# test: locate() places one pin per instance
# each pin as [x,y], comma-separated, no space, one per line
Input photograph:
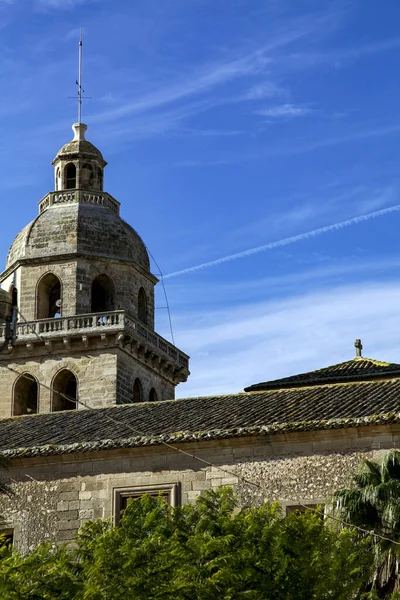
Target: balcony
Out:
[79,197]
[117,321]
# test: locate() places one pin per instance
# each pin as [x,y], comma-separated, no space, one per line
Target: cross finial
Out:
[358,346]
[79,80]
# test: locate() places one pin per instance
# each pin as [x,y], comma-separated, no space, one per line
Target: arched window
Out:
[58,176]
[48,303]
[70,176]
[137,391]
[103,294]
[86,177]
[100,179]
[142,306]
[64,391]
[25,401]
[153,395]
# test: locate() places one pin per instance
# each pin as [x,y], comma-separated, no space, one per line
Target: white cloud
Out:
[61,4]
[238,346]
[209,76]
[287,241]
[284,110]
[267,89]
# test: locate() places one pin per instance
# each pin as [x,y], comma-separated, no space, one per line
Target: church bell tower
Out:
[85,332]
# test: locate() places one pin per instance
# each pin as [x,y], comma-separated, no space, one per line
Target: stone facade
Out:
[55,495]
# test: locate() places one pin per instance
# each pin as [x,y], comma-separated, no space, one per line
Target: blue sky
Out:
[227,125]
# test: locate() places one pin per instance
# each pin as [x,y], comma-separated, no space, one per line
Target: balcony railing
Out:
[90,324]
[80,197]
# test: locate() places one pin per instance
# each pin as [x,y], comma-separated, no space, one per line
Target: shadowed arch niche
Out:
[65,389]
[48,297]
[103,294]
[137,392]
[153,395]
[70,176]
[26,394]
[142,306]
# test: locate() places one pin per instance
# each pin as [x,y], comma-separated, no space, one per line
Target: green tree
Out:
[372,501]
[207,551]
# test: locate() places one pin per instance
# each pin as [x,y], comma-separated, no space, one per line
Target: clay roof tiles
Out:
[322,406]
[357,369]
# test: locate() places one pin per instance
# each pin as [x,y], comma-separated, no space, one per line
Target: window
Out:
[137,391]
[142,306]
[48,297]
[64,391]
[25,401]
[153,395]
[169,492]
[58,176]
[86,177]
[6,537]
[103,294]
[70,176]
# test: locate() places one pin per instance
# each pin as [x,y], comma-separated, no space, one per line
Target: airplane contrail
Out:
[287,241]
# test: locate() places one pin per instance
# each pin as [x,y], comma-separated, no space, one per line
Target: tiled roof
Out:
[357,369]
[195,419]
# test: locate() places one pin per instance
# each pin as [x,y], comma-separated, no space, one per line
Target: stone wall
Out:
[129,370]
[96,373]
[55,495]
[127,282]
[30,277]
[105,376]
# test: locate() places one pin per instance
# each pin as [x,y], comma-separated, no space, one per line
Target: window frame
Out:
[171,490]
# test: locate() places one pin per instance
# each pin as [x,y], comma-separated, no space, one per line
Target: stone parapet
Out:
[78,197]
[124,326]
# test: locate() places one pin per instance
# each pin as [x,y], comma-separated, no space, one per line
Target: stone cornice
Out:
[96,331]
[51,259]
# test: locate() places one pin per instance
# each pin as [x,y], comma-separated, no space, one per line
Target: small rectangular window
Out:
[170,493]
[7,537]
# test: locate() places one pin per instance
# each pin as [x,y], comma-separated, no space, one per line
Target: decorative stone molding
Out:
[79,197]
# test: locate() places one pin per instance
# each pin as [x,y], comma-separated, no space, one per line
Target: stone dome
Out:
[79,146]
[85,229]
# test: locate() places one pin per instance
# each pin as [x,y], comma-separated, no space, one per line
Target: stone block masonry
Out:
[54,496]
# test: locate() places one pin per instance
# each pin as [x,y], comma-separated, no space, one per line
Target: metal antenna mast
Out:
[79,82]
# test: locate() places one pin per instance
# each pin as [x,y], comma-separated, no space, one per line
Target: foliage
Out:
[43,574]
[373,503]
[206,551]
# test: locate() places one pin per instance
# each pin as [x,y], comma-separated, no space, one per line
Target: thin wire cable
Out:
[165,294]
[206,462]
[30,326]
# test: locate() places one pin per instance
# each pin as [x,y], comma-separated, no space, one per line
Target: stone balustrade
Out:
[91,324]
[79,197]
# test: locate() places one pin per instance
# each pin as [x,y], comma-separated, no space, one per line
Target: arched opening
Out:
[142,306]
[49,297]
[86,177]
[58,177]
[137,391]
[153,395]
[65,388]
[70,176]
[103,294]
[25,401]
[100,179]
